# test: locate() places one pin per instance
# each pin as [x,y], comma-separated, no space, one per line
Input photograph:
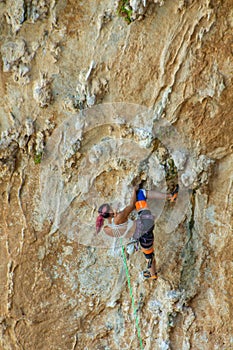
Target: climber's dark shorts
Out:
[147,239]
[146,242]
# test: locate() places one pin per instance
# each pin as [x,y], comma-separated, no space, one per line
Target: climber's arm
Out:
[123,215]
[170,196]
[157,195]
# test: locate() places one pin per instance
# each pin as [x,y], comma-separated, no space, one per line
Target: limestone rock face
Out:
[95,97]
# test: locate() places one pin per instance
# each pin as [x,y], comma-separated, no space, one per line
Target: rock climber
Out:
[119,224]
[145,226]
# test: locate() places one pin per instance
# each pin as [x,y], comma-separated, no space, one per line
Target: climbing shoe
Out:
[147,275]
[174,194]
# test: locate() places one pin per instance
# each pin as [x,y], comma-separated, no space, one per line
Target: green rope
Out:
[131,295]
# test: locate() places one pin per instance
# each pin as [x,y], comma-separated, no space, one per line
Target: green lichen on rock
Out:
[125,10]
[37,158]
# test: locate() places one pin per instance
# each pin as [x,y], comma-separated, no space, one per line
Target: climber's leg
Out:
[151,263]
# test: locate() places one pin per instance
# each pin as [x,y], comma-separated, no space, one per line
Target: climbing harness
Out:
[131,295]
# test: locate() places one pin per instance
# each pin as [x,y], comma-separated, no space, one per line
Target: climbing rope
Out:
[131,295]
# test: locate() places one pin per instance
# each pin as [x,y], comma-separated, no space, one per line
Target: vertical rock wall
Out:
[59,289]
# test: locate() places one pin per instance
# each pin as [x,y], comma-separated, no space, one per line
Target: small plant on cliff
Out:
[170,169]
[125,10]
[37,158]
